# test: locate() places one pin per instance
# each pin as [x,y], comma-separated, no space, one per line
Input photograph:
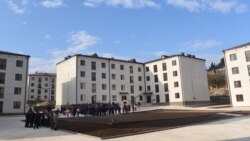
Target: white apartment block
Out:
[41,87]
[237,61]
[87,79]
[13,82]
[176,80]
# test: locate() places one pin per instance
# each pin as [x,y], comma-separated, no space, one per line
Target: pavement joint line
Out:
[230,114]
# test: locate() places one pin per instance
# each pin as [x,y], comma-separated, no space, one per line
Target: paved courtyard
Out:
[236,129]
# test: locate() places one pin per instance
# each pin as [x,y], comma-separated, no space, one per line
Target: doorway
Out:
[93,99]
[149,99]
[167,98]
[1,106]
[157,98]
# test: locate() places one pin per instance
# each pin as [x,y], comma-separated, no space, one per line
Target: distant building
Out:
[237,60]
[13,82]
[41,86]
[176,79]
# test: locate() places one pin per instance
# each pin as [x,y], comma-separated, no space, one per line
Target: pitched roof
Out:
[235,47]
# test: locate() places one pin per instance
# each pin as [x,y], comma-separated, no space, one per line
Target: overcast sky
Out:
[49,30]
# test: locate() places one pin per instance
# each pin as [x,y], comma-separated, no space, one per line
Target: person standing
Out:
[55,119]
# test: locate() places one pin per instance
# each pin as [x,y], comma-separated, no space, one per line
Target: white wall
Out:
[242,76]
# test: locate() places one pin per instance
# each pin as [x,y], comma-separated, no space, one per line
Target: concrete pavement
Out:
[236,129]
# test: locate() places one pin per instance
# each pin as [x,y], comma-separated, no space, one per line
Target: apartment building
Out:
[237,62]
[88,79]
[177,79]
[13,82]
[41,86]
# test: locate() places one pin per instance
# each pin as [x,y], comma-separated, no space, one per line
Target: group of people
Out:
[97,109]
[36,119]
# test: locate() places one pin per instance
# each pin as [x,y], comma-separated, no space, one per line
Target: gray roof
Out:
[235,47]
[16,54]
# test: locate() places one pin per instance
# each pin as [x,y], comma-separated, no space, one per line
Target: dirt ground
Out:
[135,123]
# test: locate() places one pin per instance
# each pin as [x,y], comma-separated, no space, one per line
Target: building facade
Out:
[237,62]
[175,79]
[41,86]
[13,82]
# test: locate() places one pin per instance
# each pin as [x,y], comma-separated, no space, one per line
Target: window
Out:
[112,66]
[139,69]
[93,76]
[157,88]
[113,76]
[82,62]
[148,78]
[139,78]
[53,98]
[39,85]
[123,87]
[131,69]
[166,87]
[32,91]
[113,97]
[18,77]
[103,65]
[45,97]
[141,98]
[104,86]
[104,98]
[32,84]
[93,65]
[39,79]
[52,92]
[53,80]
[46,78]
[2,78]
[164,66]
[82,85]
[233,57]
[175,73]
[237,84]
[16,105]
[52,86]
[247,53]
[113,87]
[132,90]
[17,90]
[46,84]
[32,97]
[131,79]
[174,63]
[38,91]
[176,84]
[82,97]
[38,97]
[82,73]
[239,97]
[235,70]
[121,67]
[165,76]
[140,88]
[177,95]
[122,77]
[156,78]
[93,88]
[3,63]
[148,88]
[248,69]
[19,63]
[155,68]
[32,78]
[1,92]
[103,75]
[147,69]
[45,91]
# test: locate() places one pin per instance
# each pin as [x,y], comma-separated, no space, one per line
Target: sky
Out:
[49,30]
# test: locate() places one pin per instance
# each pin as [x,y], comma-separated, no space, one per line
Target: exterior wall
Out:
[194,80]
[243,75]
[47,87]
[170,81]
[10,83]
[66,82]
